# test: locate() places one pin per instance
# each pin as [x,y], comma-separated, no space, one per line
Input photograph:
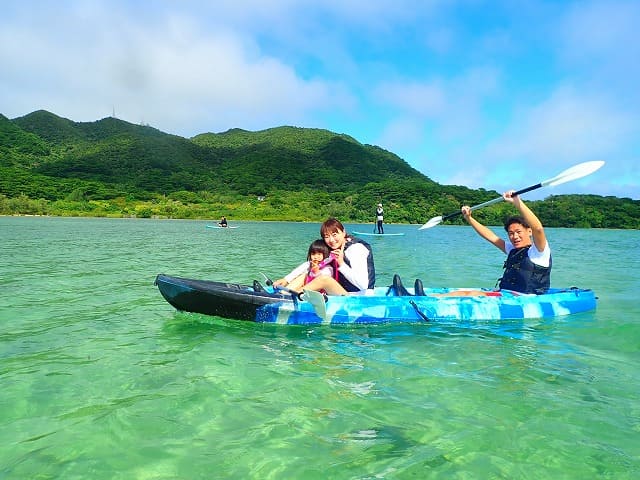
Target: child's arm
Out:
[301,269]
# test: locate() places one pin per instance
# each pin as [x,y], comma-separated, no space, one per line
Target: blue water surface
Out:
[102,379]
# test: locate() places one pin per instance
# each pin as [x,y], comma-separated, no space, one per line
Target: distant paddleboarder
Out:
[379,218]
[223,222]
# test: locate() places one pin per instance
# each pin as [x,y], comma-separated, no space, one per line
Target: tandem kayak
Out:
[383,305]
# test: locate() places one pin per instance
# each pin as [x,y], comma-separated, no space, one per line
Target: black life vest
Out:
[347,285]
[524,276]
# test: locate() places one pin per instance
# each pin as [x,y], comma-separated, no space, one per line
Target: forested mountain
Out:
[294,157]
[52,165]
[140,158]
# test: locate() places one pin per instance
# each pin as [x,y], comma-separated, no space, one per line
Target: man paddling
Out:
[528,263]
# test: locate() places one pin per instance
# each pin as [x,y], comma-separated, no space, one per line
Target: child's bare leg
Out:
[328,284]
[297,283]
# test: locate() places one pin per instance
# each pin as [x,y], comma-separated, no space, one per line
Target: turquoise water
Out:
[102,379]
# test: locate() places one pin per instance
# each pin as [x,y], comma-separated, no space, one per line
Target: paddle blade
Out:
[432,223]
[573,173]
[316,299]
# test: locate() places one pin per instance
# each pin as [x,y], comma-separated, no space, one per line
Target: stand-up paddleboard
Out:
[218,226]
[378,234]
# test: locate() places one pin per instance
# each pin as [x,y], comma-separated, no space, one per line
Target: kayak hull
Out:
[222,299]
[244,302]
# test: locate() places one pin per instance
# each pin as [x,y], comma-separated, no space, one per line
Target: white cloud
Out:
[405,131]
[565,129]
[172,74]
[566,126]
[599,43]
[601,29]
[424,100]
[440,98]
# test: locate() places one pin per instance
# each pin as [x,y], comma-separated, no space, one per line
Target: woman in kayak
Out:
[354,258]
[320,261]
[528,263]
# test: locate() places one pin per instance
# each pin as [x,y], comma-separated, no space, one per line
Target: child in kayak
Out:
[320,262]
[354,272]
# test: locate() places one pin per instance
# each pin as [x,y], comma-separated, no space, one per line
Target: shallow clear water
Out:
[101,378]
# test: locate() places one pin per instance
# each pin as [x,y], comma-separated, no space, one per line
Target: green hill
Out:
[294,158]
[140,158]
[53,165]
[128,158]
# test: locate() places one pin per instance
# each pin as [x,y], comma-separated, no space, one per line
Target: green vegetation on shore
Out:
[110,168]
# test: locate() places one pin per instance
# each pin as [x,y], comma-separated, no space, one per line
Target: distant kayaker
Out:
[379,218]
[223,222]
[320,261]
[528,263]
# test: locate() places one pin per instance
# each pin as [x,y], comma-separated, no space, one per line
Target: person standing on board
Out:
[528,263]
[379,218]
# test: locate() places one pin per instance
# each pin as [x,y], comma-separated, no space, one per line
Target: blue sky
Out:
[487,94]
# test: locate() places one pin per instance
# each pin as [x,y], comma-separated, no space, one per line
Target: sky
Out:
[496,94]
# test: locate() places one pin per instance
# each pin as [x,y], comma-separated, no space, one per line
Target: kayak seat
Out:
[398,288]
[418,288]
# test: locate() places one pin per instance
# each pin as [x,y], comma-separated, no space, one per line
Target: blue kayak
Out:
[383,305]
